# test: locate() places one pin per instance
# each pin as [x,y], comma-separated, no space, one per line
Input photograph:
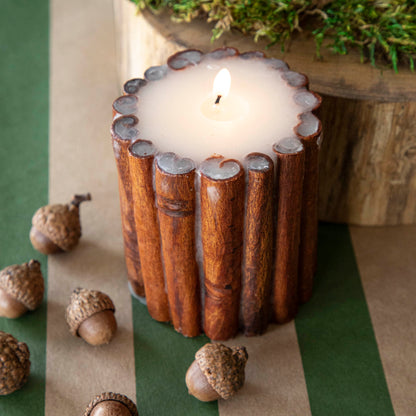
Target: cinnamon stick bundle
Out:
[222,218]
[141,158]
[309,131]
[258,244]
[123,131]
[175,196]
[290,174]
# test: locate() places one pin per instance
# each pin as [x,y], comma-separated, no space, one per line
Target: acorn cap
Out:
[115,397]
[24,282]
[14,363]
[223,367]
[83,304]
[60,223]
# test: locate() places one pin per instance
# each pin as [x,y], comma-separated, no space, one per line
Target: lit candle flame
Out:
[222,83]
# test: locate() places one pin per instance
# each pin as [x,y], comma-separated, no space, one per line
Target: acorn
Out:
[90,315]
[14,363]
[21,289]
[57,228]
[111,404]
[217,372]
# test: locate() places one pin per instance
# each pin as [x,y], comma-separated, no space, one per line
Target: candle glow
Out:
[178,112]
[220,107]
[222,84]
[205,193]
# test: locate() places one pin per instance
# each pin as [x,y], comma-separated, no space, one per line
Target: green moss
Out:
[381,30]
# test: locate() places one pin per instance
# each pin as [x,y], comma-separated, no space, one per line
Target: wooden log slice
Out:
[290,177]
[368,153]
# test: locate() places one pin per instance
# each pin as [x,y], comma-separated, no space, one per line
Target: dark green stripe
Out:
[343,371]
[24,80]
[162,357]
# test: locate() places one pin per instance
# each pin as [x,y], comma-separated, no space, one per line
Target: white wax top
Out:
[173,111]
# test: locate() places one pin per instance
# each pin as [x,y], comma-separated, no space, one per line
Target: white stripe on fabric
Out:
[275,382]
[82,87]
[386,259]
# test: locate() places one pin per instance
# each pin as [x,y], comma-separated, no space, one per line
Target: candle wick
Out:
[217,101]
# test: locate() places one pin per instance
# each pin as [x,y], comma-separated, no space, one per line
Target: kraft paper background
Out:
[350,351]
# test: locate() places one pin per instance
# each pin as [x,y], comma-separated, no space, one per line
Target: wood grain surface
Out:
[368,163]
[148,237]
[290,175]
[258,247]
[335,75]
[175,195]
[308,245]
[131,251]
[222,220]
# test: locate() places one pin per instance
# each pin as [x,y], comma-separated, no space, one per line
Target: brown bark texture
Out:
[368,162]
[308,248]
[258,247]
[148,237]
[123,131]
[290,174]
[222,220]
[175,196]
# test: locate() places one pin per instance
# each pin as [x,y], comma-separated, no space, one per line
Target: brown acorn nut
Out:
[111,404]
[217,372]
[57,228]
[21,289]
[90,315]
[14,363]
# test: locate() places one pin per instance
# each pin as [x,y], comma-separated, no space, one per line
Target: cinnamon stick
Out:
[258,244]
[141,158]
[183,59]
[222,217]
[175,196]
[252,55]
[123,131]
[309,131]
[295,79]
[290,174]
[132,86]
[124,106]
[220,53]
[155,73]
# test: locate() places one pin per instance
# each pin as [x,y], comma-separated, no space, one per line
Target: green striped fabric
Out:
[24,90]
[162,357]
[343,371]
